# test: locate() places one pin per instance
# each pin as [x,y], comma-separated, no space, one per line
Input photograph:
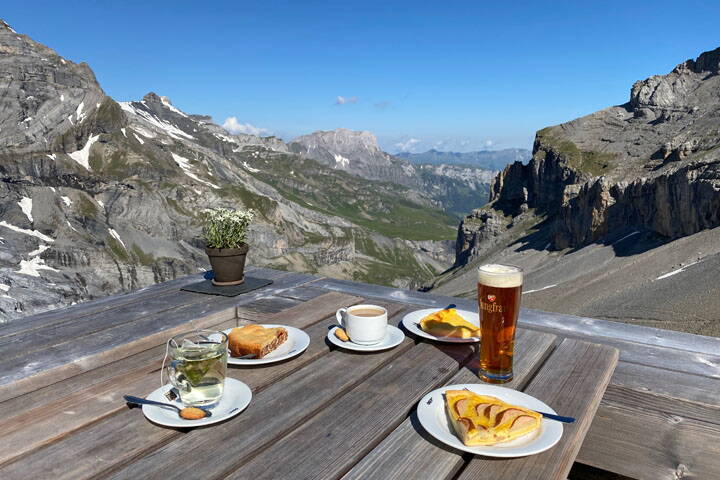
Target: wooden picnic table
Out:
[331,413]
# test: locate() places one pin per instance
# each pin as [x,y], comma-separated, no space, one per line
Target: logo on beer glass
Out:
[491,298]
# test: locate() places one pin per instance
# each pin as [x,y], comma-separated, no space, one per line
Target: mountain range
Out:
[99,197]
[485,159]
[616,215]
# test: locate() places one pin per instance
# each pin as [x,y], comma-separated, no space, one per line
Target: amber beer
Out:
[499,291]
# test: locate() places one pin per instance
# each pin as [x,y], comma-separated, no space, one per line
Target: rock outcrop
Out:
[651,164]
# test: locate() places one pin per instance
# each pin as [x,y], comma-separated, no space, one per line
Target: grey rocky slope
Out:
[617,213]
[454,188]
[485,159]
[98,197]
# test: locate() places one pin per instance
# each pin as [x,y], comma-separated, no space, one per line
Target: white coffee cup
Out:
[361,326]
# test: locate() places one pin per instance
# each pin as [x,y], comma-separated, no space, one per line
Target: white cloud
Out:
[489,143]
[343,100]
[407,146]
[233,126]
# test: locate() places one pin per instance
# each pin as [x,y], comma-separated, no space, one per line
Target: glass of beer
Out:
[499,290]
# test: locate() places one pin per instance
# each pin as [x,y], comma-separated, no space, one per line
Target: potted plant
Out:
[225,233]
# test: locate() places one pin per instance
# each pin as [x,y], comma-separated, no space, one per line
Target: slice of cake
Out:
[448,323]
[485,420]
[256,340]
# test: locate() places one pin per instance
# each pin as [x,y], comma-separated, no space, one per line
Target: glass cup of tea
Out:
[197,366]
[499,291]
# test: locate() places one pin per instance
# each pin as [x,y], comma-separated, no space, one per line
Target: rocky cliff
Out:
[645,173]
[652,163]
[99,196]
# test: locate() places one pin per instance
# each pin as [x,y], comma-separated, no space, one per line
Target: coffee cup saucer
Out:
[393,337]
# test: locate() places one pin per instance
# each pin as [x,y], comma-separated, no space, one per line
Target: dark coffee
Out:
[366,312]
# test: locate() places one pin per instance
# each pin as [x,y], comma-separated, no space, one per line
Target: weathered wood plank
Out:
[303,293]
[28,430]
[664,358]
[24,344]
[322,307]
[271,305]
[93,307]
[410,452]
[23,374]
[572,381]
[643,435]
[31,429]
[668,383]
[107,398]
[112,302]
[300,314]
[560,324]
[274,412]
[342,433]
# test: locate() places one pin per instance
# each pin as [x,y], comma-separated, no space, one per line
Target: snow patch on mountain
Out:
[166,101]
[83,156]
[184,163]
[32,233]
[33,266]
[675,272]
[116,236]
[79,115]
[26,207]
[66,200]
[144,132]
[151,119]
[39,250]
[342,161]
[251,169]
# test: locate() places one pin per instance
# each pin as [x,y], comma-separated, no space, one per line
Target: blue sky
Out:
[447,74]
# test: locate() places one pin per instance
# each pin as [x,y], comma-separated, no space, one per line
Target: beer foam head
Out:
[500,276]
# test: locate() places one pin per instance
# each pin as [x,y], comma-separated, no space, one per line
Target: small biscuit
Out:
[340,333]
[192,413]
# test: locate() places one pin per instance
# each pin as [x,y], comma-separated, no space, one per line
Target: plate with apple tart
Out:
[488,420]
[449,324]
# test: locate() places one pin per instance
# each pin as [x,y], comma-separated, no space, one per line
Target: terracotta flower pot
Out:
[228,264]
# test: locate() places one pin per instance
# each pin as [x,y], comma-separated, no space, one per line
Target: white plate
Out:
[393,338]
[434,419]
[235,399]
[295,344]
[412,319]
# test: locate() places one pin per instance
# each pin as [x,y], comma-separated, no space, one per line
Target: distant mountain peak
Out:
[4,26]
[152,97]
[340,139]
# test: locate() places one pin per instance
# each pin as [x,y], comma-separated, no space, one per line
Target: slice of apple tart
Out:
[485,420]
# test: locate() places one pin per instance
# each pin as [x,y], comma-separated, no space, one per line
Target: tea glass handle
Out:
[340,317]
[171,372]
